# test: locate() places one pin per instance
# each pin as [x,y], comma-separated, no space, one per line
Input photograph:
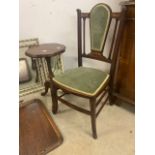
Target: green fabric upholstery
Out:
[84,80]
[99,22]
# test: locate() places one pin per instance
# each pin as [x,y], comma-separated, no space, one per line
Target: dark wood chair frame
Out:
[94,102]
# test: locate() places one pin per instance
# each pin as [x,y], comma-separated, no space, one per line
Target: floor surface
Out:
[115,128]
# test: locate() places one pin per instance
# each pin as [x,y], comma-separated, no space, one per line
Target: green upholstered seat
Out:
[83,80]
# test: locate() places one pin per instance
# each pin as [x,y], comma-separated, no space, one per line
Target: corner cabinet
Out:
[124,78]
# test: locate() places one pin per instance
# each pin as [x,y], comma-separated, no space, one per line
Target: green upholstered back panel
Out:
[100,16]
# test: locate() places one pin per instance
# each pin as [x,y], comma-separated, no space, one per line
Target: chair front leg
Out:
[54,99]
[93,117]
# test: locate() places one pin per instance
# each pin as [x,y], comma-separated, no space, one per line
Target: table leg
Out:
[47,86]
[47,83]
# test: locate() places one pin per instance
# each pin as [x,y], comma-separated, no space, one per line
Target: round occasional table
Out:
[46,51]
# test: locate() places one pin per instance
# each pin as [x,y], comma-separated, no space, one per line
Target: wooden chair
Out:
[87,82]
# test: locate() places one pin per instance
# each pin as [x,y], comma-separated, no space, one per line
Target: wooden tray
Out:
[38,133]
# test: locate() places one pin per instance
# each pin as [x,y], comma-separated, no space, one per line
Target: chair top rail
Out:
[115,15]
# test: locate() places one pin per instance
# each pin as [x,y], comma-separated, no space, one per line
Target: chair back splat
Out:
[87,82]
[100,19]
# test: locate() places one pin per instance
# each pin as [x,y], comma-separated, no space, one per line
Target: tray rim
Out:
[50,120]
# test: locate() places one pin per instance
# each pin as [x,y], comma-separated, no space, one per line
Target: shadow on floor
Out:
[126,106]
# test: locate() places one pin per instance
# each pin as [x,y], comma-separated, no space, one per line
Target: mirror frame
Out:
[42,71]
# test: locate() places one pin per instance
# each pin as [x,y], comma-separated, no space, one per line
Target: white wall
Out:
[56,21]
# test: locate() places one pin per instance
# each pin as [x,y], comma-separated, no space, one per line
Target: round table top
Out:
[45,50]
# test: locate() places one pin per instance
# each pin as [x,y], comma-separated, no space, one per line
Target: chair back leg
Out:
[93,117]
